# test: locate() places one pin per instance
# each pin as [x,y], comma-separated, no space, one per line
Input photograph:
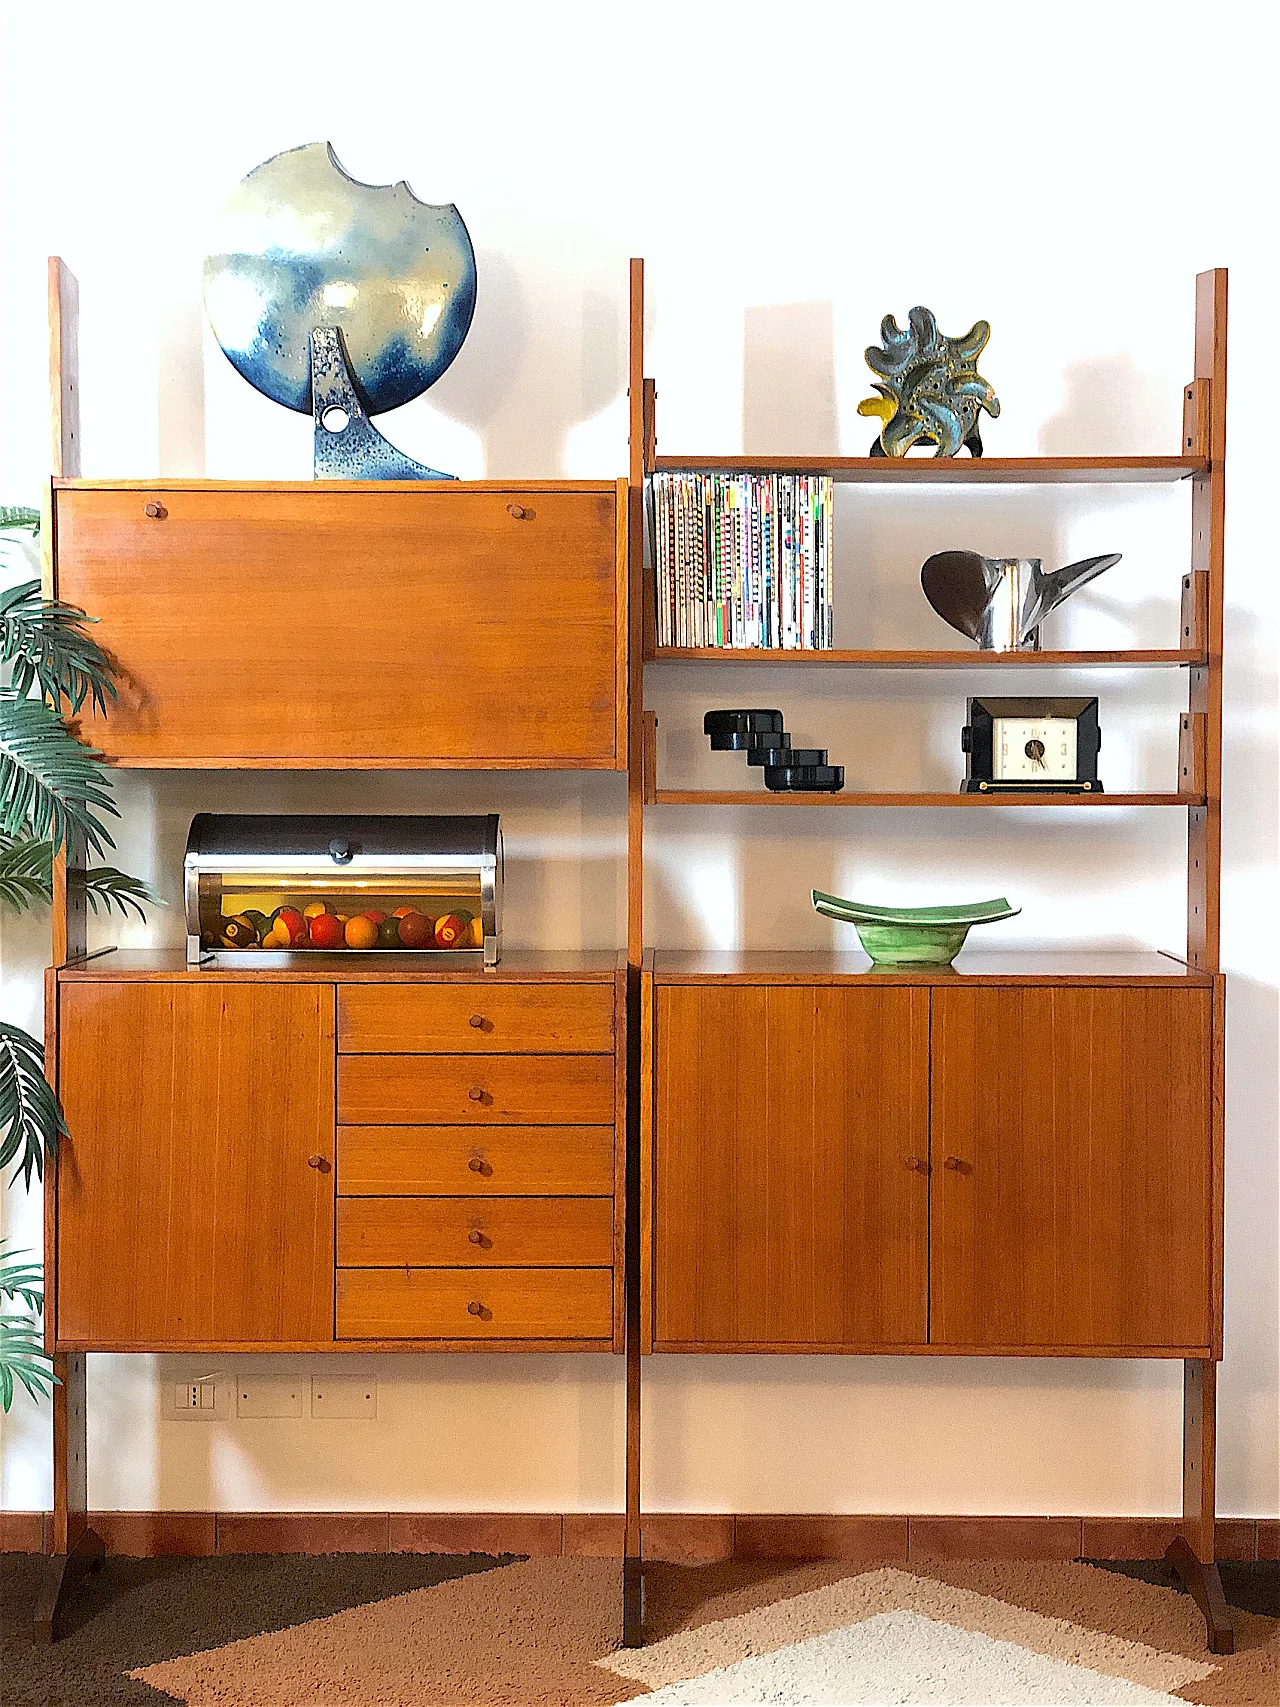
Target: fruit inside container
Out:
[429,912]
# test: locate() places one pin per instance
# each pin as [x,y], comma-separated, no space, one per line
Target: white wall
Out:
[790,173]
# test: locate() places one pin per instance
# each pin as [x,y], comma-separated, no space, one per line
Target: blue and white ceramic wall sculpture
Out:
[339,299]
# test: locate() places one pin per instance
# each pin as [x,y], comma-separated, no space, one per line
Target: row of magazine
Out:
[742,560]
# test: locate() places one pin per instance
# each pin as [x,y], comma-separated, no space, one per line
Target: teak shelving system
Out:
[571,553]
[1083,979]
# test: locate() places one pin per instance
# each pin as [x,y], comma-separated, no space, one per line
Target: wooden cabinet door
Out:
[1071,1168]
[791,1202]
[443,624]
[188,1211]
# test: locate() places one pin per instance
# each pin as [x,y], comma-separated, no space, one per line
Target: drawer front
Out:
[453,1232]
[475,1304]
[479,1019]
[395,1090]
[434,596]
[504,1161]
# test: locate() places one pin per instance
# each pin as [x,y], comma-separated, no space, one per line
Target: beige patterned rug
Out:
[546,1631]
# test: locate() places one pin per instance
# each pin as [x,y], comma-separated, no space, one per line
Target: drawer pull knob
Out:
[478,1165]
[476,1308]
[521,512]
[476,1093]
[319,1163]
[917,1164]
[476,1022]
[476,1236]
[957,1166]
[157,512]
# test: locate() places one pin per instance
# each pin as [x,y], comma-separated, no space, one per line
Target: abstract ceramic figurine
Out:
[301,248]
[1001,601]
[931,389]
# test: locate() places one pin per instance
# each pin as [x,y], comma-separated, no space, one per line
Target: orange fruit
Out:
[326,931]
[314,910]
[361,932]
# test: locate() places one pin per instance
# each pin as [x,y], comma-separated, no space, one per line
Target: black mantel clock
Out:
[1031,746]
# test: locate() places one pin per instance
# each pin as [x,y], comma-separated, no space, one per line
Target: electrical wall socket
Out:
[268,1396]
[343,1396]
[206,1399]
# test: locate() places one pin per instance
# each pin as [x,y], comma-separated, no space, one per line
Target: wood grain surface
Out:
[409,1161]
[1071,1167]
[475,1090]
[475,1232]
[791,1200]
[514,1303]
[477,1019]
[187,1208]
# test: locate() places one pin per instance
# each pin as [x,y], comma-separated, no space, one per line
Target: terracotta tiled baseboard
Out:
[677,1537]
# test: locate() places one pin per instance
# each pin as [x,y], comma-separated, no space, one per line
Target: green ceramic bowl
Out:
[912,936]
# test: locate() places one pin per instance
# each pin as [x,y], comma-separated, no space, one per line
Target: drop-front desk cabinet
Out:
[1017,1156]
[332,1157]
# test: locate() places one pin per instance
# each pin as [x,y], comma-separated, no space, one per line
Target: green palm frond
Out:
[26,872]
[49,781]
[117,891]
[31,1122]
[15,517]
[20,1277]
[22,1354]
[47,645]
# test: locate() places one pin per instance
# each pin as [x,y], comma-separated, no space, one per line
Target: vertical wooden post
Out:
[1192,1554]
[632,1583]
[75,1547]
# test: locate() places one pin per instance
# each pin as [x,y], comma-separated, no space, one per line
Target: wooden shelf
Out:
[986,470]
[950,659]
[987,966]
[762,797]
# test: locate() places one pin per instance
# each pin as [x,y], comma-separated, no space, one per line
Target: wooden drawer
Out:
[475,1304]
[395,1090]
[505,1161]
[480,1018]
[304,625]
[452,1232]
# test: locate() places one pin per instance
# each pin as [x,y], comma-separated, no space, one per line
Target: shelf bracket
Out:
[1195,419]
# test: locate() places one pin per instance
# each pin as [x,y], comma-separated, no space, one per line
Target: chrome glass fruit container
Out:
[262,889]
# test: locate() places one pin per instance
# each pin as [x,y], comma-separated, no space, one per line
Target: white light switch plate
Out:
[344,1396]
[268,1396]
[205,1399]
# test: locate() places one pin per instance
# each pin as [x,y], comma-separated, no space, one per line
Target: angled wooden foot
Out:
[63,1574]
[1204,1584]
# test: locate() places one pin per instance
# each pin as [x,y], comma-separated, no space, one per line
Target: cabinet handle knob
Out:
[957,1166]
[476,1236]
[157,512]
[319,1163]
[917,1164]
[476,1308]
[476,1022]
[520,512]
[478,1165]
[476,1093]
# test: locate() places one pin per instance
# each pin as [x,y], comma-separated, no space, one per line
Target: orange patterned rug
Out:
[404,1631]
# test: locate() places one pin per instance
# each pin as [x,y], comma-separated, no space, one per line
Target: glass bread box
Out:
[264,888]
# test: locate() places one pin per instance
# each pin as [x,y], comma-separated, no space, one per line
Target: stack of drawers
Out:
[476,1161]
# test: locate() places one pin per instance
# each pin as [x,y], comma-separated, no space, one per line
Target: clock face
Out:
[1033,749]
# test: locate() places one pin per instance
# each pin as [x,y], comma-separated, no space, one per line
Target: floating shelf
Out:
[950,659]
[929,470]
[762,797]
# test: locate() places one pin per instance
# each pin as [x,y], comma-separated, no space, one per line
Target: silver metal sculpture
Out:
[930,390]
[1001,601]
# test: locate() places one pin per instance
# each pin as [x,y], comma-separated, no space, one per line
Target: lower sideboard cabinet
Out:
[307,1161]
[875,1163]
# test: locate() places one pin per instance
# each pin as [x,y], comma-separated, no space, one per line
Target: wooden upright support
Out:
[76,1548]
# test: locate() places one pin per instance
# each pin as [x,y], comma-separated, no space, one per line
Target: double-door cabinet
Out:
[955,1165]
[301,1161]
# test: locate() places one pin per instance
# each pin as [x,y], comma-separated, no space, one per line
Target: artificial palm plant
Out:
[54,791]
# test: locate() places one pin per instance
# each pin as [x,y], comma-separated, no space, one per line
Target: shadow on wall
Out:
[180,432]
[789,380]
[1110,408]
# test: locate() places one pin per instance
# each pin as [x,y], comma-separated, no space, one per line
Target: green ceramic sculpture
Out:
[912,936]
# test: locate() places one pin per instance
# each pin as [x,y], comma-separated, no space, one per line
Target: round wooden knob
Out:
[476,1022]
[318,1163]
[157,512]
[476,1093]
[917,1164]
[476,1236]
[476,1308]
[956,1165]
[478,1165]
[519,512]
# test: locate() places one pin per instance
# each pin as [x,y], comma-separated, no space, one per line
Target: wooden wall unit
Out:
[327,624]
